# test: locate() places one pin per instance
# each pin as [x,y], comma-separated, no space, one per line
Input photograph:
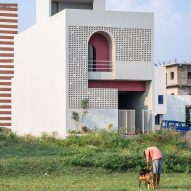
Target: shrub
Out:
[102,149]
[5,130]
[85,129]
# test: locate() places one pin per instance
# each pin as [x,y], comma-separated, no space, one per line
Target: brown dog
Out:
[145,175]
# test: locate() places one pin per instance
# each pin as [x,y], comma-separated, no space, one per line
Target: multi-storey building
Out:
[8,29]
[79,51]
[178,79]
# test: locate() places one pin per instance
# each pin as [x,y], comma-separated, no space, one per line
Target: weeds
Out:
[102,149]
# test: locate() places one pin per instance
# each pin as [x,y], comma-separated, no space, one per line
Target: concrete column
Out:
[43,10]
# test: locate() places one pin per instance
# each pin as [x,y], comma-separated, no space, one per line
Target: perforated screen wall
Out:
[103,98]
[131,45]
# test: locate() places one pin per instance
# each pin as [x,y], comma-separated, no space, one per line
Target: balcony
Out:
[99,66]
[100,70]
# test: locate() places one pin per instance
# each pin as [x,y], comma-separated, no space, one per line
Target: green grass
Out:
[26,155]
[98,161]
[83,179]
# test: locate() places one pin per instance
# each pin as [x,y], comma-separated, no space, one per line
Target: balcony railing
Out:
[99,66]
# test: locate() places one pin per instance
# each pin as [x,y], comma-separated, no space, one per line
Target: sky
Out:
[172,23]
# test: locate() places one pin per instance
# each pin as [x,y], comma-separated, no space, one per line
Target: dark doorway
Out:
[128,100]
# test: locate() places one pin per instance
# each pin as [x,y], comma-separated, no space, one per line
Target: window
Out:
[172,75]
[160,99]
[157,119]
[189,75]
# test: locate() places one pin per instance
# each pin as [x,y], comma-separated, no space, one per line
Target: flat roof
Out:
[177,64]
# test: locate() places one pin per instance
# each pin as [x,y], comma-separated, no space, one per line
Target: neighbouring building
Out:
[178,108]
[79,51]
[8,29]
[178,79]
[178,90]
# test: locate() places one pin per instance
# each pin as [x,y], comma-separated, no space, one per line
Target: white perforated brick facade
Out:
[103,98]
[131,45]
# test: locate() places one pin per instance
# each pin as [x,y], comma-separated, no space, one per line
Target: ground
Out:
[100,161]
[84,179]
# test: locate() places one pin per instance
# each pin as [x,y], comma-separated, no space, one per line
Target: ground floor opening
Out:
[133,112]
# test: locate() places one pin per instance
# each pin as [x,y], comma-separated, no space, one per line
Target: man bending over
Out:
[155,155]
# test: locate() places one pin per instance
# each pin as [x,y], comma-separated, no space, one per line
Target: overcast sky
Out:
[172,23]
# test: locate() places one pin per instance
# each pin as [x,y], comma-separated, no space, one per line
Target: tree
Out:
[79,118]
[188,115]
[84,106]
[76,118]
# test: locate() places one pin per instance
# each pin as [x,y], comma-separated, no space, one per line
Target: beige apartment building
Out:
[178,79]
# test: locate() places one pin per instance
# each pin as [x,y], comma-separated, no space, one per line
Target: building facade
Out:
[8,29]
[79,51]
[178,79]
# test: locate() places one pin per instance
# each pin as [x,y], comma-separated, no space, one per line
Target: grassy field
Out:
[98,161]
[80,179]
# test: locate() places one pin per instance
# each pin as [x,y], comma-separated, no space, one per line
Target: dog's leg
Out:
[139,183]
[148,185]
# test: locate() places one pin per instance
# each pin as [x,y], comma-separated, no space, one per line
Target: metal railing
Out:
[126,121]
[99,66]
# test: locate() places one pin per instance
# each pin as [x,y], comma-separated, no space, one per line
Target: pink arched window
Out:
[99,53]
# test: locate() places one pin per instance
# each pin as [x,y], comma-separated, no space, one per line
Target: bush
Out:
[101,139]
[5,130]
[7,139]
[176,163]
[102,149]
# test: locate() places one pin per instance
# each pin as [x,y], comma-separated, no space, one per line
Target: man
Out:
[155,155]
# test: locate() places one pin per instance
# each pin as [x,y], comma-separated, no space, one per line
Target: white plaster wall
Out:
[134,71]
[95,119]
[176,107]
[39,86]
[109,18]
[160,89]
[43,10]
[100,76]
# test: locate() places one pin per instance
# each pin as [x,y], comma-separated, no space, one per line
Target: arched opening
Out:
[99,53]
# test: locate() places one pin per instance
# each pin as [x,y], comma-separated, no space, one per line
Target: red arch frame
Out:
[101,60]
